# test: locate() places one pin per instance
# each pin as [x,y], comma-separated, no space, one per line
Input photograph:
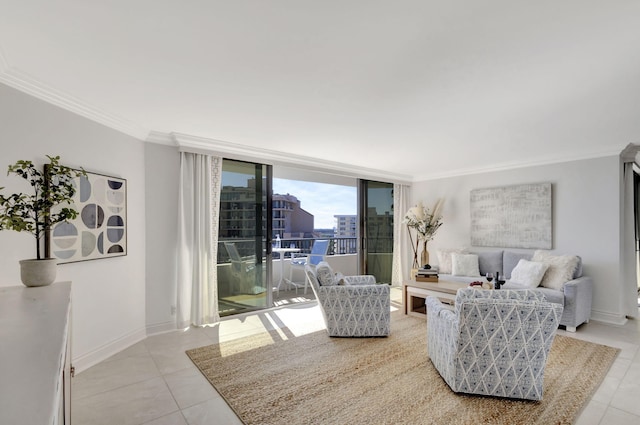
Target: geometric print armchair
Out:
[495,342]
[352,306]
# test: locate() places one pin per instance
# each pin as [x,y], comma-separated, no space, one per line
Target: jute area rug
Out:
[277,378]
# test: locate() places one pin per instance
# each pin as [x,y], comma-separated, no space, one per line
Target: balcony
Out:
[237,289]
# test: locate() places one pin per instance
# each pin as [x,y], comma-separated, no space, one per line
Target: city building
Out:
[346,227]
[237,214]
[290,220]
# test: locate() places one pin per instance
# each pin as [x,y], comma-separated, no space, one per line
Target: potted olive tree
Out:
[38,211]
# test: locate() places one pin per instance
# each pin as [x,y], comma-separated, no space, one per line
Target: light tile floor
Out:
[153,382]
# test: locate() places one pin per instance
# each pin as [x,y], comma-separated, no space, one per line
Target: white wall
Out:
[162,165]
[586,211]
[109,294]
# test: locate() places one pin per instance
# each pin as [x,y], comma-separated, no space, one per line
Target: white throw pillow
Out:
[324,273]
[528,273]
[464,265]
[444,259]
[560,271]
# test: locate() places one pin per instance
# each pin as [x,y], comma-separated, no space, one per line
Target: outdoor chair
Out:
[352,306]
[243,272]
[495,342]
[300,260]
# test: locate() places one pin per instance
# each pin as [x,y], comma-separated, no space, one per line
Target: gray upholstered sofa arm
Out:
[578,294]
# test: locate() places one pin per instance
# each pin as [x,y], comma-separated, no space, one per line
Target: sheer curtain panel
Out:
[400,268]
[199,205]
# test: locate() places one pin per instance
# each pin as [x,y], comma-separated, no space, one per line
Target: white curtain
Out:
[401,256]
[629,260]
[198,209]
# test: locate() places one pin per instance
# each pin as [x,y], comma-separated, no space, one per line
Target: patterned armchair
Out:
[496,342]
[351,305]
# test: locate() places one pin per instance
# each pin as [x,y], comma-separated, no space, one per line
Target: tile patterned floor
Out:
[154,383]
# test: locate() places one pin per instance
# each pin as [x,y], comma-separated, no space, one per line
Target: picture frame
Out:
[100,229]
[517,216]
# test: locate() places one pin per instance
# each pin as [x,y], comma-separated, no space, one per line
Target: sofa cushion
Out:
[444,259]
[510,260]
[561,268]
[324,273]
[489,261]
[528,273]
[550,295]
[464,264]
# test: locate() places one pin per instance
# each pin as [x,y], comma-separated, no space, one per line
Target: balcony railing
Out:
[247,247]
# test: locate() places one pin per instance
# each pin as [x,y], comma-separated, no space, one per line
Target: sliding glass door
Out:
[376,229]
[244,266]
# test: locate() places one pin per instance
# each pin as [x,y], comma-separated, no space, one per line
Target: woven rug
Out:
[277,378]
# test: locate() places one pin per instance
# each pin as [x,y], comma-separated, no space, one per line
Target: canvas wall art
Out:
[100,230]
[518,216]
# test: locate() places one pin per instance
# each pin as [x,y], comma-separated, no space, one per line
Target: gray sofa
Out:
[576,295]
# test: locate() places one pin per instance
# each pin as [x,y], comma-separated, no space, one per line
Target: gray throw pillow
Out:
[489,261]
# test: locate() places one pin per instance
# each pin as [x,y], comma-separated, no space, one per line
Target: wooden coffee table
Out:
[414,294]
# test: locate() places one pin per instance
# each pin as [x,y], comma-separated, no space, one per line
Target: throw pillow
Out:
[324,274]
[561,268]
[464,265]
[528,273]
[444,259]
[339,279]
[510,261]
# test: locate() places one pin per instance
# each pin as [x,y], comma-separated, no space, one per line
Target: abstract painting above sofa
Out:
[562,281]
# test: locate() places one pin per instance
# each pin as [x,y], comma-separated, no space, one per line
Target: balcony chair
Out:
[495,343]
[243,271]
[352,306]
[300,260]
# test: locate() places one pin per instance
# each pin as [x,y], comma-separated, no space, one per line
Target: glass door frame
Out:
[244,226]
[364,243]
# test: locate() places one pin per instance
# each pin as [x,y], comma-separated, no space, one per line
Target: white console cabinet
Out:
[35,369]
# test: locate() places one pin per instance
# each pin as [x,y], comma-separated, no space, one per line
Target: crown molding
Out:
[160,138]
[188,142]
[517,164]
[22,81]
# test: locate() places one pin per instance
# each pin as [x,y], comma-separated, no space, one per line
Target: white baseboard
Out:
[107,350]
[607,317]
[159,328]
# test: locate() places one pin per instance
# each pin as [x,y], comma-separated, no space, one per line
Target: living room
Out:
[119,302]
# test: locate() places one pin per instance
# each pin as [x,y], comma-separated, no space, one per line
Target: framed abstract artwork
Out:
[100,229]
[516,216]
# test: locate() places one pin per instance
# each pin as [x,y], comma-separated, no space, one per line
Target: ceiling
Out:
[410,89]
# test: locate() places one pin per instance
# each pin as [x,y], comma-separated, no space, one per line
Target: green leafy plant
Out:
[36,213]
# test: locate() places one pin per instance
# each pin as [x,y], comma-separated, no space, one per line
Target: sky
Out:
[320,199]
